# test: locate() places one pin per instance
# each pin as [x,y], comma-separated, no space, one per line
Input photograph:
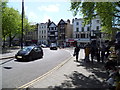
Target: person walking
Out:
[87,52]
[76,52]
[103,52]
[97,52]
[92,50]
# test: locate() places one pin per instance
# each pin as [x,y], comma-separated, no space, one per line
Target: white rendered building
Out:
[43,33]
[82,34]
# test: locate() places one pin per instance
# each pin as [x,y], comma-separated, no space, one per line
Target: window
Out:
[87,35]
[77,29]
[82,29]
[76,35]
[97,28]
[52,28]
[88,28]
[77,23]
[82,35]
[44,31]
[98,21]
[52,33]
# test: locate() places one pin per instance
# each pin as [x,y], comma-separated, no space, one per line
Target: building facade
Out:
[52,33]
[64,32]
[61,32]
[31,37]
[83,34]
[69,34]
[43,33]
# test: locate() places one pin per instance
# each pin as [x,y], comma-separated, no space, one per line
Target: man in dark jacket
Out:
[76,52]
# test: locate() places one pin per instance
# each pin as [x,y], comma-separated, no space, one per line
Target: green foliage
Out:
[107,11]
[12,22]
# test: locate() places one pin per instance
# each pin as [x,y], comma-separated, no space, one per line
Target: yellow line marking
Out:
[44,75]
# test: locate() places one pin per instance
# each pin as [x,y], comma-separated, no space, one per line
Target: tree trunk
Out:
[10,40]
[3,41]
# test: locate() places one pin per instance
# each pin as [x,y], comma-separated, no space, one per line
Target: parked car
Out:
[53,46]
[29,53]
[43,45]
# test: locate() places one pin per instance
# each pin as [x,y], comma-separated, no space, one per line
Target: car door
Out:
[37,52]
[40,52]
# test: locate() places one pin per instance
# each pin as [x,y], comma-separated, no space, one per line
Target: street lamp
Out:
[90,28]
[22,23]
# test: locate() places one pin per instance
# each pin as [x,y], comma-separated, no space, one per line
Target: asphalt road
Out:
[16,74]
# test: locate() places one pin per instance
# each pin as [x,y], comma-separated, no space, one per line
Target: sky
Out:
[40,11]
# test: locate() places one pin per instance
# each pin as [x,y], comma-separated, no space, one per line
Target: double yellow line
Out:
[44,75]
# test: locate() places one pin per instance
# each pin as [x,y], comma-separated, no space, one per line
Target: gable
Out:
[52,25]
[61,22]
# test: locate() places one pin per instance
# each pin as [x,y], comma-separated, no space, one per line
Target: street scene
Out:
[60,45]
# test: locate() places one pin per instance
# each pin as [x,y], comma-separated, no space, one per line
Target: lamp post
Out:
[90,28]
[22,24]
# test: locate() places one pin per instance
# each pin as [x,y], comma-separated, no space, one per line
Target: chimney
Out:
[68,21]
[72,20]
[49,21]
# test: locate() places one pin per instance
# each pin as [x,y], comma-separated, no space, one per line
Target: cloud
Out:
[50,8]
[32,17]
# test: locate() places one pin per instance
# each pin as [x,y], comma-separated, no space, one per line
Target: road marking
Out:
[44,75]
[3,62]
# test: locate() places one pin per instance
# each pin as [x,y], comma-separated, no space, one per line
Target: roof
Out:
[62,21]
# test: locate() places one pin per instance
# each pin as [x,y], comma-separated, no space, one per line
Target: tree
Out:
[107,11]
[11,21]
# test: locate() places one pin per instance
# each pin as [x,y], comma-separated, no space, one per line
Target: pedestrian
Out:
[76,52]
[87,52]
[107,51]
[103,52]
[97,52]
[92,50]
[117,49]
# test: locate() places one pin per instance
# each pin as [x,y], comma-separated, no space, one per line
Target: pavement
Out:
[70,74]
[9,53]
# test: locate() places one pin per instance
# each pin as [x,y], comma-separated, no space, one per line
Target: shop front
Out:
[83,42]
[69,42]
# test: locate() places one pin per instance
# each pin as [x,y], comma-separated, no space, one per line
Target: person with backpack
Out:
[87,52]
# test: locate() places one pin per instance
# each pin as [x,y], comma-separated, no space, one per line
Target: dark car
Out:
[43,45]
[53,46]
[29,53]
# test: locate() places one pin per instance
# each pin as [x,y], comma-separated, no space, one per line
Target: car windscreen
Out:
[27,49]
[53,45]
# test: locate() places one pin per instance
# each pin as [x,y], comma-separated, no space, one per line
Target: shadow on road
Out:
[7,67]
